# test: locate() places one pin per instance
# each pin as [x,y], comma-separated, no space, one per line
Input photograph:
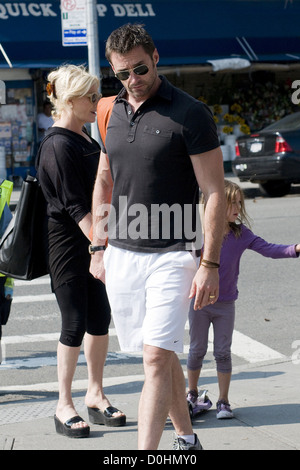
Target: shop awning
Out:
[186,32]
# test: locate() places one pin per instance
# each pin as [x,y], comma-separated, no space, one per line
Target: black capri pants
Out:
[84,307]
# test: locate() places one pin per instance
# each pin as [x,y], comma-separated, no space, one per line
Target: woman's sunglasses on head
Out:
[139,70]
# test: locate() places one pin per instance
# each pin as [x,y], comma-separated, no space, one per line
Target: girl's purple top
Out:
[232,250]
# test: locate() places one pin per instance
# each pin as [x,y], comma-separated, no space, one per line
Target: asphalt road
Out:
[267,314]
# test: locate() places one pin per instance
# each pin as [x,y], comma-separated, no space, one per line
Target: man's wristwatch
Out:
[94,248]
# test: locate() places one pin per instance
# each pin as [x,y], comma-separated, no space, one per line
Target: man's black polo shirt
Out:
[155,190]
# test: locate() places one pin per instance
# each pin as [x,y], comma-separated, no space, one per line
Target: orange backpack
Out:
[104,110]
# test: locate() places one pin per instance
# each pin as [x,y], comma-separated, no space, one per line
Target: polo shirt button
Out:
[157,131]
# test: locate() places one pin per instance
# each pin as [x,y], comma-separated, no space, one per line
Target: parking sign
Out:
[73,22]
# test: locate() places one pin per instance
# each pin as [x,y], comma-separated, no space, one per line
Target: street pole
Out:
[93,51]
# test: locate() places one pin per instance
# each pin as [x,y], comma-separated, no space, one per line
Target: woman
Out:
[67,165]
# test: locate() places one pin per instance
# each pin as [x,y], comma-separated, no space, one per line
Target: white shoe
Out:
[181,444]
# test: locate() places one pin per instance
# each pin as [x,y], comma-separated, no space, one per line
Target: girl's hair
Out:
[126,38]
[232,191]
[67,82]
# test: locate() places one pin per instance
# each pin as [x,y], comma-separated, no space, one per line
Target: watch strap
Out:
[94,248]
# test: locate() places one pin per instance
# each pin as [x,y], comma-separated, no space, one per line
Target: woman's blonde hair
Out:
[67,82]
[232,191]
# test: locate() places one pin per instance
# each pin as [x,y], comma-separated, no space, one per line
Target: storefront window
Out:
[17,133]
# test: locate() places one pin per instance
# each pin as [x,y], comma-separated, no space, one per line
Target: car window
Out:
[290,122]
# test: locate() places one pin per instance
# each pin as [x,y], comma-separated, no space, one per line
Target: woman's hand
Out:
[97,266]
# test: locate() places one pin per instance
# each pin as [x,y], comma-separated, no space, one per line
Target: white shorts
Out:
[149,296]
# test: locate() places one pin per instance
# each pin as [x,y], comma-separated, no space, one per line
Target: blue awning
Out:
[185,32]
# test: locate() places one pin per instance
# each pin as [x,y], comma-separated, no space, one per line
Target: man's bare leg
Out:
[163,393]
[155,398]
[179,412]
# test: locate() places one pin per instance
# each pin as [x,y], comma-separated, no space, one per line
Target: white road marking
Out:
[245,347]
[42,281]
[251,350]
[39,337]
[33,298]
[35,282]
[242,346]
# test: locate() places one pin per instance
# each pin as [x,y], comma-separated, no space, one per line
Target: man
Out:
[160,145]
[44,119]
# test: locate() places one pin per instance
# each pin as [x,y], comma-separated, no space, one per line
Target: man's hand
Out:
[205,287]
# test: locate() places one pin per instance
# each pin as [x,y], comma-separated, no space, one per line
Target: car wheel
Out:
[275,188]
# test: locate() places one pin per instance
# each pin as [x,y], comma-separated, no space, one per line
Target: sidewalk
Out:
[265,400]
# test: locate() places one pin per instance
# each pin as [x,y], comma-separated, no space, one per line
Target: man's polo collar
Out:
[165,90]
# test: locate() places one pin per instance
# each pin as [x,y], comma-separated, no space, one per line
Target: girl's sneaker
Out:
[198,403]
[223,410]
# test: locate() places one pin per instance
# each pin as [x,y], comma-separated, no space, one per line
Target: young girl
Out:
[237,238]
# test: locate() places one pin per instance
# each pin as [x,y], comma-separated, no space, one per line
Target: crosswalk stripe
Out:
[33,298]
[40,337]
[30,338]
[243,346]
[35,282]
[251,350]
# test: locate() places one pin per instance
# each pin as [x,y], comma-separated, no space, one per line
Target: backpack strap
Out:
[104,110]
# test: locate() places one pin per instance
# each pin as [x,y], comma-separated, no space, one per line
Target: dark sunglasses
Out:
[94,97]
[139,70]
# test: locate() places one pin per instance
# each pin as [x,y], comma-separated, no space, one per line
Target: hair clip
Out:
[50,88]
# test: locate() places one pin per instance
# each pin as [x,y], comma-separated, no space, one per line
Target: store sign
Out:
[8,10]
[127,9]
[184,31]
[2,92]
[14,9]
[73,22]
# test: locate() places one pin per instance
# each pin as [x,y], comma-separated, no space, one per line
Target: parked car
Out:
[271,157]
